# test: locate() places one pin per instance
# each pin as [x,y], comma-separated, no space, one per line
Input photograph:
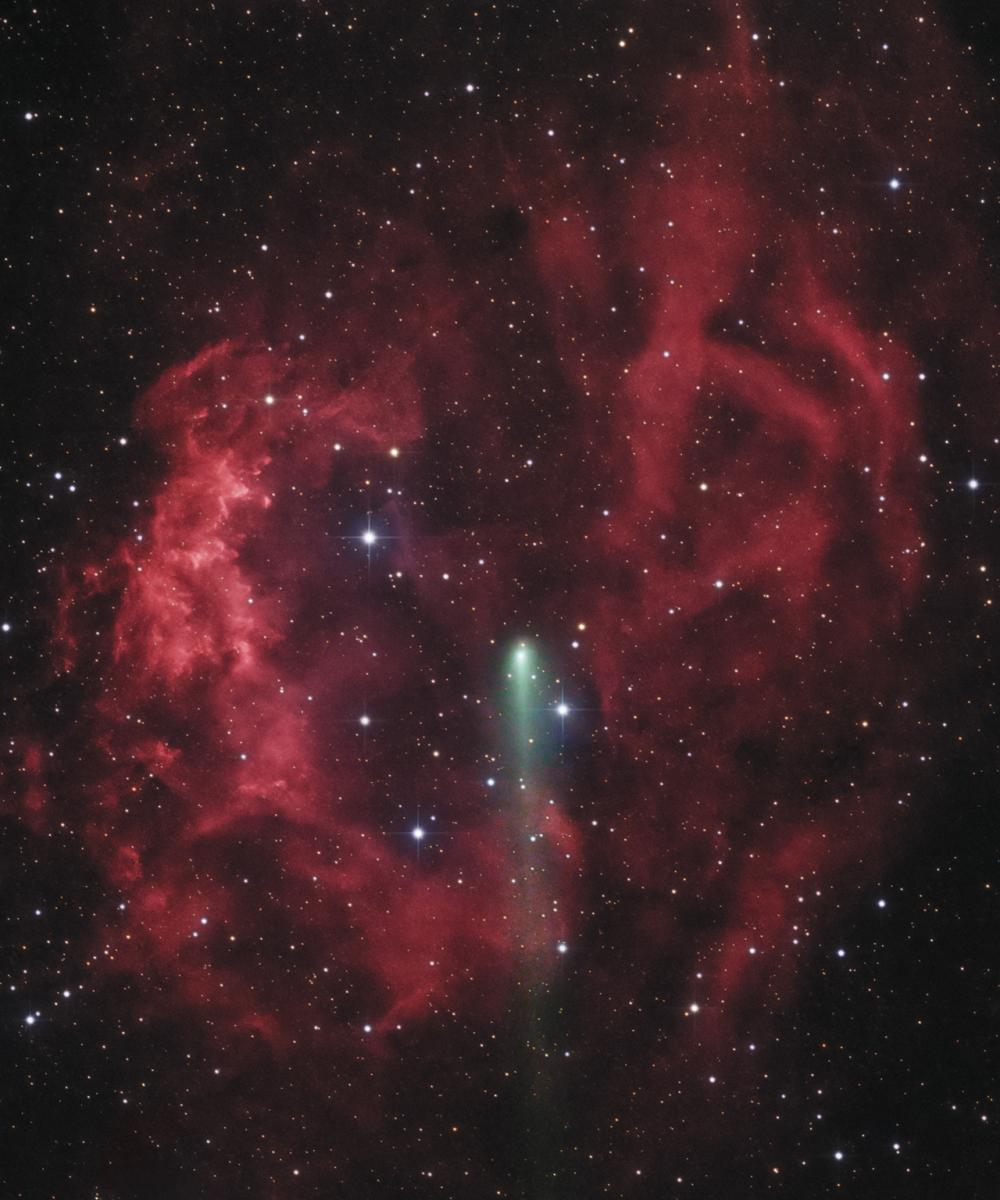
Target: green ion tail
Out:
[529,749]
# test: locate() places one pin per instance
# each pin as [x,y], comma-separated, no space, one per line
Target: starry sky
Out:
[498,614]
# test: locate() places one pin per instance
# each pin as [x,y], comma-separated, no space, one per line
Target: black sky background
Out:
[96,300]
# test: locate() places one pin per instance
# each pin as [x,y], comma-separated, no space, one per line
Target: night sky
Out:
[499,600]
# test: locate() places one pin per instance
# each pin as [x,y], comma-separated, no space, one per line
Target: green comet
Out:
[529,749]
[522,671]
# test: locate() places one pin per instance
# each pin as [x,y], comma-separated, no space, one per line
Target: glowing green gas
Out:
[528,746]
[530,801]
[522,672]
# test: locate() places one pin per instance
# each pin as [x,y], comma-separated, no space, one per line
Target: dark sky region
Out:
[499,601]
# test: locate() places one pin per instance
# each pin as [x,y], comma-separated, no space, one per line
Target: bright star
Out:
[418,833]
[973,484]
[369,537]
[562,709]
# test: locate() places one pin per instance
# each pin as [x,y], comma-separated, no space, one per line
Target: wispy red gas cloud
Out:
[660,422]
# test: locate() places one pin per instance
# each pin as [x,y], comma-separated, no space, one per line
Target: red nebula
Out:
[724,512]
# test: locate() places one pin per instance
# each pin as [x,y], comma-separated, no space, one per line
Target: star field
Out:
[498,620]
